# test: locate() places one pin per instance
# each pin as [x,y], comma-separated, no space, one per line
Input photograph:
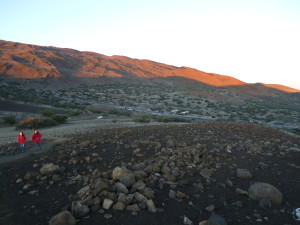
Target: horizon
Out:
[254,42]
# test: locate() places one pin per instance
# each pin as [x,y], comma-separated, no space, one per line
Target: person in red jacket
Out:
[22,141]
[36,138]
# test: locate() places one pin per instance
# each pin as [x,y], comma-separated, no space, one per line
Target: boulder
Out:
[243,174]
[49,168]
[79,210]
[124,175]
[63,218]
[261,190]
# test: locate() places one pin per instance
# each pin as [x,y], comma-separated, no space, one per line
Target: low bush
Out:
[143,119]
[30,123]
[10,119]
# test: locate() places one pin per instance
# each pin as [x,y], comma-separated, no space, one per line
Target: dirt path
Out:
[32,150]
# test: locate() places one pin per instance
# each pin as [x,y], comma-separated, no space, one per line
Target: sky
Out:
[251,40]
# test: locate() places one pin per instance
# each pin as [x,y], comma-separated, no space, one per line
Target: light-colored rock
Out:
[79,210]
[63,218]
[261,190]
[204,222]
[243,174]
[121,188]
[124,175]
[206,173]
[107,203]
[140,185]
[134,208]
[241,192]
[151,207]
[119,206]
[49,168]
[187,221]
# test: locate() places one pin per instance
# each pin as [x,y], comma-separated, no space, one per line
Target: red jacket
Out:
[36,138]
[22,139]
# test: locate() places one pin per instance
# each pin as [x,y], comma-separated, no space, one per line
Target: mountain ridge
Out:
[18,60]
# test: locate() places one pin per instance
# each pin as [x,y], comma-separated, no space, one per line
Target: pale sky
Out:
[253,40]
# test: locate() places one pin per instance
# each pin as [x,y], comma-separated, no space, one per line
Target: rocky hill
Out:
[30,61]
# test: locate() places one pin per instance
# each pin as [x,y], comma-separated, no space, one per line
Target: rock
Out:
[187,221]
[49,168]
[180,195]
[140,198]
[261,190]
[172,194]
[206,173]
[134,208]
[215,219]
[63,218]
[204,222]
[228,182]
[148,193]
[121,188]
[241,192]
[119,206]
[107,203]
[151,206]
[30,175]
[107,216]
[239,204]
[20,180]
[264,203]
[124,175]
[79,210]
[140,185]
[243,174]
[210,208]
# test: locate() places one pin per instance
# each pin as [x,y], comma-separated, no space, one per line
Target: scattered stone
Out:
[187,221]
[49,168]
[172,194]
[121,188]
[239,204]
[215,219]
[63,218]
[206,173]
[241,192]
[107,203]
[180,195]
[108,216]
[243,174]
[265,203]
[204,222]
[134,208]
[79,210]
[151,206]
[124,175]
[210,208]
[261,190]
[119,206]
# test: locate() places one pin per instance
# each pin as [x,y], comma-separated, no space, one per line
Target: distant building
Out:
[175,111]
[184,113]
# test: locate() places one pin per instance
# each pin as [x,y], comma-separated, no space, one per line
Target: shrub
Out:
[47,122]
[30,123]
[10,119]
[143,119]
[47,113]
[59,118]
[74,113]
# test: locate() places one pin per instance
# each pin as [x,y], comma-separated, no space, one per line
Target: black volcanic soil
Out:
[270,155]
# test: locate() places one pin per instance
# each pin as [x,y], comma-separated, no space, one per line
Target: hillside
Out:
[32,61]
